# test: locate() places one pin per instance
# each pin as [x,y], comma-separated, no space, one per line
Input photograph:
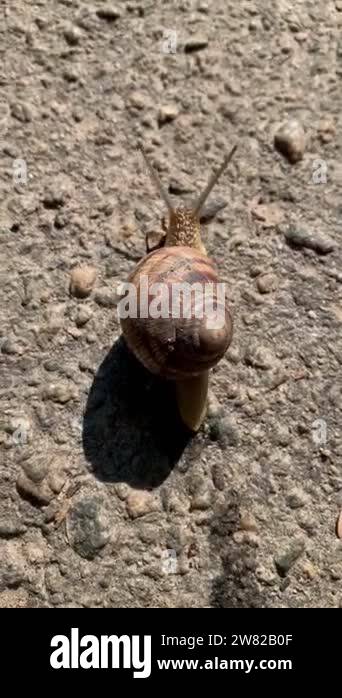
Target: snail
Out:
[180,346]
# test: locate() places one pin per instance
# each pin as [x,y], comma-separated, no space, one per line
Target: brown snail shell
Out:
[177,347]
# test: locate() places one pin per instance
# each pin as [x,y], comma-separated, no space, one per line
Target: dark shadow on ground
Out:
[236,586]
[131,431]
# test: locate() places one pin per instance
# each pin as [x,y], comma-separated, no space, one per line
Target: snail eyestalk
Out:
[212,181]
[157,181]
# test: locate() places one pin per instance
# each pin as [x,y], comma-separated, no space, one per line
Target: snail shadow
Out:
[236,585]
[131,430]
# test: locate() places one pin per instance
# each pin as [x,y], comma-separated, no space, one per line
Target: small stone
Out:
[282,435]
[265,575]
[175,502]
[83,316]
[9,148]
[5,112]
[59,392]
[148,534]
[34,553]
[201,501]
[195,43]
[105,581]
[51,365]
[21,428]
[106,297]
[335,395]
[290,141]
[297,498]
[11,527]
[309,570]
[153,571]
[78,116]
[137,100]
[108,12]
[82,280]
[326,130]
[56,481]
[233,355]
[85,365]
[307,522]
[336,572]
[54,197]
[122,490]
[36,468]
[167,113]
[259,356]
[202,518]
[9,347]
[87,527]
[318,242]
[255,271]
[72,35]
[118,104]
[246,537]
[54,318]
[37,493]
[22,112]
[267,283]
[61,219]
[13,571]
[218,476]
[141,503]
[57,599]
[75,332]
[225,431]
[71,74]
[248,522]
[209,212]
[301,36]
[269,215]
[53,579]
[252,299]
[285,560]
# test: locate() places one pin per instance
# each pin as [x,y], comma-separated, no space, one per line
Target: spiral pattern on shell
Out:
[190,341]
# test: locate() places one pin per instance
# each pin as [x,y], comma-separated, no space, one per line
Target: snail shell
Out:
[189,344]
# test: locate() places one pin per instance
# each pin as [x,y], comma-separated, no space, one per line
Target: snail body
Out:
[182,326]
